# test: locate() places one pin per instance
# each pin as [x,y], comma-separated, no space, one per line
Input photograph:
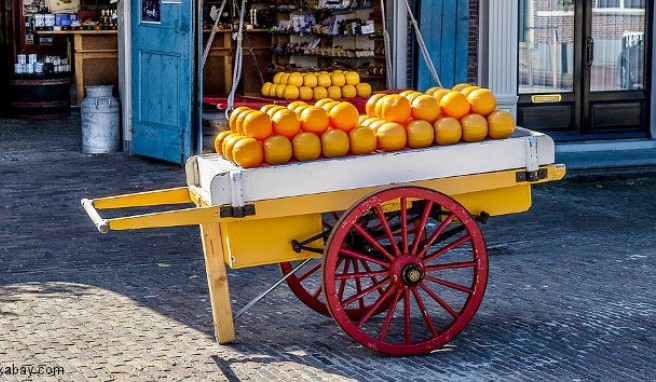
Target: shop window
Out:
[608,3]
[631,4]
[638,4]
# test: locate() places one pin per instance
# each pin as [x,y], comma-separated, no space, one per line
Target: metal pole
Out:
[389,70]
[210,39]
[274,286]
[236,74]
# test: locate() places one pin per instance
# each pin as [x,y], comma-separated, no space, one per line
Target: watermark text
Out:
[30,370]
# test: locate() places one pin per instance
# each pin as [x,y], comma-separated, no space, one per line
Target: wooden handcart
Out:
[388,244]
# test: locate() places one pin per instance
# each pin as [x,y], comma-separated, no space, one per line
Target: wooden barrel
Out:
[40,97]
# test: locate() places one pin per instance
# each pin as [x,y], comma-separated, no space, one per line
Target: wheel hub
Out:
[412,274]
[407,271]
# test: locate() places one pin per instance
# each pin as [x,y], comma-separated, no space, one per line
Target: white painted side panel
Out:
[230,184]
[498,48]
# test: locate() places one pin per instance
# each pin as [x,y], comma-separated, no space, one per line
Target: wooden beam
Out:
[217,281]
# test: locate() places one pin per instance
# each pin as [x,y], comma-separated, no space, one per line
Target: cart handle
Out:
[200,214]
[101,224]
[179,195]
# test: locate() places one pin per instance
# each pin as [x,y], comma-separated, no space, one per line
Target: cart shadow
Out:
[279,332]
[226,369]
[480,343]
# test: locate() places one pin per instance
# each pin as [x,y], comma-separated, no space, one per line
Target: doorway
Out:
[583,68]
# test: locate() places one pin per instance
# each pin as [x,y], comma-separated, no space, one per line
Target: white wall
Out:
[124,75]
[397,27]
[498,39]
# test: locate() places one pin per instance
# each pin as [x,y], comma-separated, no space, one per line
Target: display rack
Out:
[287,35]
[326,35]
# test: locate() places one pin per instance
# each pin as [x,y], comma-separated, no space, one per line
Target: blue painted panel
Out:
[444,25]
[163,95]
[154,108]
[430,24]
[462,42]
[449,32]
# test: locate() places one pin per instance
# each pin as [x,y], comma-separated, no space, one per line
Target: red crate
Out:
[221,103]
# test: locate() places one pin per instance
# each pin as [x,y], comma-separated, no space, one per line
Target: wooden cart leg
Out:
[217,281]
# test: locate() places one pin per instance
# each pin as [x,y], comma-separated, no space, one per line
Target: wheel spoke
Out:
[374,307]
[388,230]
[458,265]
[424,312]
[446,249]
[358,283]
[342,283]
[394,226]
[422,224]
[407,329]
[373,277]
[441,302]
[373,241]
[404,224]
[450,284]
[362,293]
[433,237]
[360,256]
[368,218]
[390,315]
[317,292]
[309,272]
[377,226]
[370,274]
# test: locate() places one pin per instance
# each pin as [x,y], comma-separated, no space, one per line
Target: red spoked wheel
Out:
[428,285]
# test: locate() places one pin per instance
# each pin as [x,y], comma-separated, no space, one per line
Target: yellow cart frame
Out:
[225,228]
[402,214]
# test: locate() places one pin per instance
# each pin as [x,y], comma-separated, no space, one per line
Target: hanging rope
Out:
[390,81]
[236,73]
[422,46]
[210,39]
[252,53]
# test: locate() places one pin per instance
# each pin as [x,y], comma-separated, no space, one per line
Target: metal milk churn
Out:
[99,112]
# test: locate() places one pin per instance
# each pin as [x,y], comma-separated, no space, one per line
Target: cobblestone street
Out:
[570,295]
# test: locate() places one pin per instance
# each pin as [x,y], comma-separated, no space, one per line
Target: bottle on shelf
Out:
[29,30]
[114,17]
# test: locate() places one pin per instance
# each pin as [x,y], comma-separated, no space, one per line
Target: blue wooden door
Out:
[164,80]
[444,25]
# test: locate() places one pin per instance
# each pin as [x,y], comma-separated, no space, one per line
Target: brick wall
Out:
[472,61]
